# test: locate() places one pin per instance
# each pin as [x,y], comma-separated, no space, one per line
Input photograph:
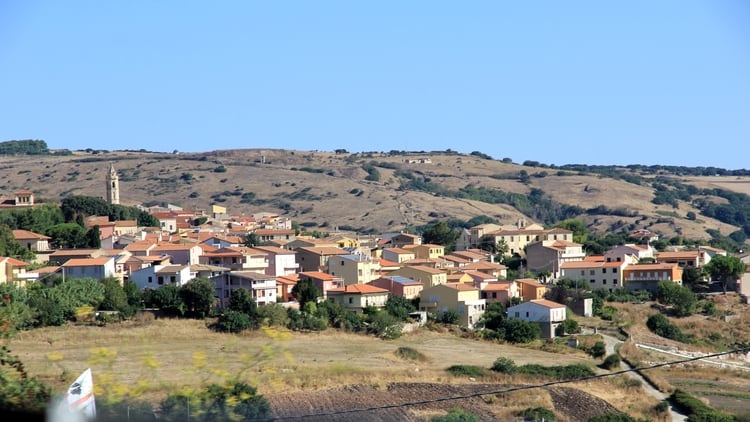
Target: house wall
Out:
[598,277]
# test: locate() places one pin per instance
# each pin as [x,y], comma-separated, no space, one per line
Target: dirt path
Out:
[611,344]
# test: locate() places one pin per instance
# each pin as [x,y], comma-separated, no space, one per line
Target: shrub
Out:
[456,415]
[537,414]
[611,362]
[660,325]
[696,410]
[565,372]
[613,417]
[449,317]
[504,366]
[220,169]
[598,350]
[467,370]
[410,354]
[237,401]
[234,322]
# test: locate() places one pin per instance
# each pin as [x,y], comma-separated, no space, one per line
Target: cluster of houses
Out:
[355,271]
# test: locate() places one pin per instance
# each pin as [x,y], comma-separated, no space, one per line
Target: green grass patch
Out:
[697,410]
[467,371]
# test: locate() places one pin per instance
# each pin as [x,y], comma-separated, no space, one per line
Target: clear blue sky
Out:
[595,82]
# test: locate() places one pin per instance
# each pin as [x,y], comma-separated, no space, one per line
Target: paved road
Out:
[611,344]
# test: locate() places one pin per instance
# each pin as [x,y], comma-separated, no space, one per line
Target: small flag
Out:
[80,395]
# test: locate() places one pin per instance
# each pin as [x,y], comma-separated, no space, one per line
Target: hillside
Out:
[378,192]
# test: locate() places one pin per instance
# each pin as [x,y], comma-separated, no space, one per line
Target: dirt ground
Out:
[372,404]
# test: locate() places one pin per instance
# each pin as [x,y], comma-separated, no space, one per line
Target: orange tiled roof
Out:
[86,262]
[358,289]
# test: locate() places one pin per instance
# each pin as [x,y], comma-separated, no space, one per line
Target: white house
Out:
[261,286]
[159,275]
[97,268]
[546,313]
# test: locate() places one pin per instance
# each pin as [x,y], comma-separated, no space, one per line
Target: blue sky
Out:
[595,82]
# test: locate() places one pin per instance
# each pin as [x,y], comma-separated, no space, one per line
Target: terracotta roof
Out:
[594,258]
[316,274]
[425,269]
[387,263]
[142,245]
[276,250]
[496,286]
[678,255]
[173,247]
[86,262]
[126,223]
[266,232]
[484,265]
[324,250]
[547,303]
[530,282]
[358,289]
[400,251]
[460,286]
[171,269]
[637,267]
[13,261]
[479,274]
[28,235]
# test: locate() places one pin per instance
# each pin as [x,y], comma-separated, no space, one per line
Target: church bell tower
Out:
[113,185]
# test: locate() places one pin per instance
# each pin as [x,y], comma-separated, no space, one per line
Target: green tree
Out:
[441,233]
[725,268]
[577,226]
[93,238]
[67,236]
[519,331]
[683,301]
[168,299]
[198,296]
[305,291]
[399,306]
[273,314]
[9,246]
[493,316]
[234,321]
[115,298]
[235,401]
[449,316]
[133,294]
[252,240]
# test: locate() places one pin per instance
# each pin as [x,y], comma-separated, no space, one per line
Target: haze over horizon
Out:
[596,83]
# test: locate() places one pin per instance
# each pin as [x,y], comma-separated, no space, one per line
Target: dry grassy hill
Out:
[327,190]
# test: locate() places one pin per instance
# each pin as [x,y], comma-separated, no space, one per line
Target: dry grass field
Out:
[324,190]
[149,358]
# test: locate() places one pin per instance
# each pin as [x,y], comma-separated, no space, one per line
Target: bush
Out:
[598,350]
[449,317]
[696,410]
[237,401]
[613,417]
[565,372]
[504,366]
[456,415]
[537,414]
[234,322]
[410,354]
[611,362]
[467,371]
[660,325]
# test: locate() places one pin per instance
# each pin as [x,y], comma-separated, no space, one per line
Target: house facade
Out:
[549,255]
[262,287]
[354,269]
[280,261]
[459,297]
[159,275]
[546,313]
[312,258]
[399,286]
[648,276]
[34,242]
[357,297]
[426,275]
[96,268]
[600,275]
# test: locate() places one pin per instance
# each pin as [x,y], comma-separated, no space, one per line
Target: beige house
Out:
[426,250]
[357,297]
[459,297]
[34,242]
[685,259]
[399,255]
[315,258]
[399,286]
[600,275]
[648,276]
[494,269]
[516,237]
[549,255]
[425,275]
[12,270]
[354,269]
[240,258]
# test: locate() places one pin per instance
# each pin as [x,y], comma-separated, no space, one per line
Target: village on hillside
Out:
[264,254]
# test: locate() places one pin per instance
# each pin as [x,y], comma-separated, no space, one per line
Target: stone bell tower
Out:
[113,185]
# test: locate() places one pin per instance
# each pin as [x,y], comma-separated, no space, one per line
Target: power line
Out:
[504,391]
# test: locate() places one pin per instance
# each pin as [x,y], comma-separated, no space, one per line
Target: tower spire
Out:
[113,185]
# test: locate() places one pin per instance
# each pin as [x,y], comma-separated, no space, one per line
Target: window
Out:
[150,280]
[172,279]
[342,263]
[160,280]
[592,281]
[517,314]
[591,272]
[583,272]
[527,314]
[351,300]
[604,281]
[614,270]
[604,270]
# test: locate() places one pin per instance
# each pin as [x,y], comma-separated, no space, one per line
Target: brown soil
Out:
[414,401]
